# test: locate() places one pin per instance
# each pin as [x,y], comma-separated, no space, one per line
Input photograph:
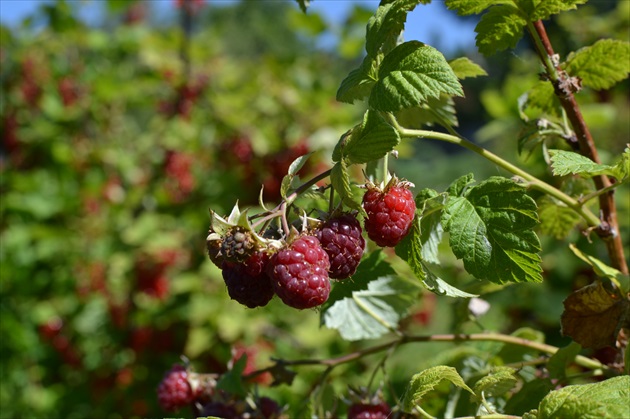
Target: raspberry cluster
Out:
[182,388]
[298,267]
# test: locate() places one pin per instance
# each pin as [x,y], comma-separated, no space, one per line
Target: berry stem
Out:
[580,360]
[289,199]
[386,169]
[283,217]
[591,219]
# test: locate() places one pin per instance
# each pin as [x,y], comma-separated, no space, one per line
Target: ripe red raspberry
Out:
[300,273]
[341,239]
[175,392]
[369,411]
[389,213]
[248,282]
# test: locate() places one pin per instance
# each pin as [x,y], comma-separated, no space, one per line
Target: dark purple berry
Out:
[248,282]
[341,239]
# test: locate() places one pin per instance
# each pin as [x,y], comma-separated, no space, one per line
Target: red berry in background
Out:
[10,140]
[175,392]
[68,90]
[151,276]
[179,176]
[238,351]
[31,91]
[389,213]
[369,411]
[341,239]
[300,273]
[51,328]
[248,282]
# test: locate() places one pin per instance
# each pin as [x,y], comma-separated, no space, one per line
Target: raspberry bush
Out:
[449,246]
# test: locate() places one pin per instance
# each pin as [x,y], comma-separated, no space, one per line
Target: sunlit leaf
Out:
[372,304]
[601,65]
[498,382]
[491,229]
[464,67]
[500,28]
[569,163]
[425,381]
[409,75]
[608,399]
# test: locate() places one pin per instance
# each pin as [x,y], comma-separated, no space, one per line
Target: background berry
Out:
[341,239]
[389,214]
[369,411]
[300,273]
[174,392]
[248,282]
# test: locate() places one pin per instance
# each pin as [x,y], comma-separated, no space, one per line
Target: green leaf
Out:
[491,229]
[386,25]
[412,249]
[358,84]
[425,381]
[621,281]
[622,168]
[372,304]
[601,65]
[438,286]
[370,141]
[471,7]
[295,167]
[464,67]
[409,75]
[541,96]
[304,4]
[569,163]
[232,381]
[431,228]
[556,219]
[498,382]
[460,185]
[340,180]
[500,28]
[528,398]
[608,399]
[435,111]
[558,363]
[543,9]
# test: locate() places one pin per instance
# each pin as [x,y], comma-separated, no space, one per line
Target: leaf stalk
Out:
[591,219]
